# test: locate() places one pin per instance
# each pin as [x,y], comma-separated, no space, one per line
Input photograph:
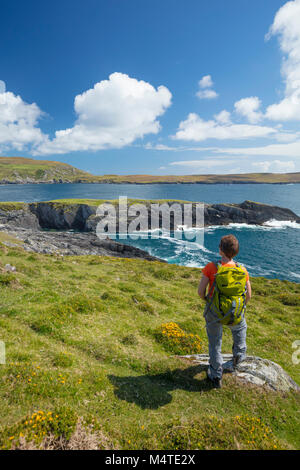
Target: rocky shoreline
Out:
[70,228]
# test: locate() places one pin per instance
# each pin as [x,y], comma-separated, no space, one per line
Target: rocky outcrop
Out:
[248,212]
[72,243]
[19,217]
[29,221]
[82,217]
[53,215]
[253,369]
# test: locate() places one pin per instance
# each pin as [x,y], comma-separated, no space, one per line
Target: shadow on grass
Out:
[153,391]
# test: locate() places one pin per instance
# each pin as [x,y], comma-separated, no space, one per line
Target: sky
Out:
[152,86]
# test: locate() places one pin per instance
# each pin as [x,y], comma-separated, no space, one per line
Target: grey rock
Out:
[61,217]
[19,218]
[75,243]
[10,268]
[254,369]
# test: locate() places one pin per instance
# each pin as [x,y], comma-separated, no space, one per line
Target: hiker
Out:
[228,293]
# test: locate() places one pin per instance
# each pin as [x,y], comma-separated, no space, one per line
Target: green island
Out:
[26,170]
[91,358]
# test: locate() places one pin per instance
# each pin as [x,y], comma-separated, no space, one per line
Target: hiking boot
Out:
[214,382]
[236,360]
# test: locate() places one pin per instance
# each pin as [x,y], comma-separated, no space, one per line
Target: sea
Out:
[272,250]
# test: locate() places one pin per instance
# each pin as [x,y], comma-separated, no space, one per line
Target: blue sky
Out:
[160,87]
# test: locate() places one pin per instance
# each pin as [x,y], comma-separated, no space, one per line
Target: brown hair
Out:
[229,245]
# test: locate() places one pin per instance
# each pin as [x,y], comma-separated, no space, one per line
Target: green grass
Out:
[81,341]
[14,168]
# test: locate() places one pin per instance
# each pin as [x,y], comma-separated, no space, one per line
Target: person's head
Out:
[229,246]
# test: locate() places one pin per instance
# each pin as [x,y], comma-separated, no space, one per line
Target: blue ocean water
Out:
[284,195]
[271,251]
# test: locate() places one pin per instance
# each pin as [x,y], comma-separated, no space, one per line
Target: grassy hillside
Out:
[84,340]
[19,169]
[235,178]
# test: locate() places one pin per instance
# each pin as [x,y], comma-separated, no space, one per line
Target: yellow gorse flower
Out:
[180,341]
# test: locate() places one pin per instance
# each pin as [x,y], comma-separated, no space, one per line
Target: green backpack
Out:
[229,297]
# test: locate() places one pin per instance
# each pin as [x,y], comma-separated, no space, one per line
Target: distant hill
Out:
[235,178]
[26,170]
[22,170]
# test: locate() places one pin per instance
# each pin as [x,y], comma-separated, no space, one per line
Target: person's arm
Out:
[202,286]
[249,292]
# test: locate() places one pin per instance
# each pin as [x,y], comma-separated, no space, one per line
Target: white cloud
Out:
[207,94]
[205,163]
[205,85]
[249,108]
[179,148]
[18,122]
[289,150]
[206,82]
[287,136]
[113,114]
[2,86]
[287,26]
[276,166]
[196,129]
[224,117]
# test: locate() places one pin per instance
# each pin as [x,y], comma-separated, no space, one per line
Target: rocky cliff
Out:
[55,215]
[35,224]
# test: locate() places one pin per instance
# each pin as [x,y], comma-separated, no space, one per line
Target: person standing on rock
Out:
[228,293]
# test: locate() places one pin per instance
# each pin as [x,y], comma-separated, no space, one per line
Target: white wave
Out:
[281,224]
[269,225]
[243,225]
[296,275]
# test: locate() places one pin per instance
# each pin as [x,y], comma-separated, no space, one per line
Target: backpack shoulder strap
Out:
[217,264]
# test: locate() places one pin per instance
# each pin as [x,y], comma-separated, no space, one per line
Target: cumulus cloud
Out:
[196,129]
[287,26]
[249,108]
[206,91]
[206,82]
[207,94]
[18,122]
[113,114]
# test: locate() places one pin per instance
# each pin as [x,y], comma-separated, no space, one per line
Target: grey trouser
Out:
[214,331]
